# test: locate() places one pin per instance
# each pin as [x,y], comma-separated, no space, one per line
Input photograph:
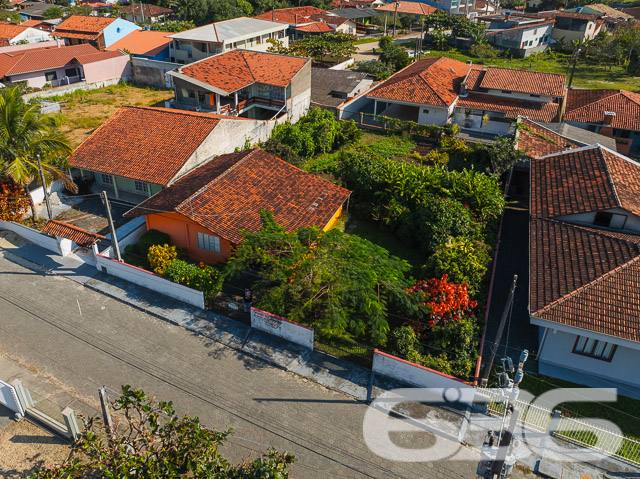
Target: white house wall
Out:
[32,35]
[557,360]
[432,115]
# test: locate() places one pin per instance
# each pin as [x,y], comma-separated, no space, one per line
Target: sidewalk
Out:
[360,383]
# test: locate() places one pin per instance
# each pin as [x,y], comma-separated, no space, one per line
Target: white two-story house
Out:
[585,267]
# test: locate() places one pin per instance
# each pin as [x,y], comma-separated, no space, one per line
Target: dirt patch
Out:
[83,112]
[25,447]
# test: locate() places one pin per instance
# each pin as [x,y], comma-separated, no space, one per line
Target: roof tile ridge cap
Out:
[172,111]
[216,31]
[590,284]
[215,180]
[241,52]
[74,227]
[433,89]
[609,176]
[626,93]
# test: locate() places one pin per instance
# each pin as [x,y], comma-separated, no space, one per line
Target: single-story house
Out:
[292,17]
[11,34]
[245,83]
[603,10]
[101,32]
[139,151]
[585,267]
[574,26]
[145,13]
[244,33]
[331,88]
[492,98]
[425,92]
[71,237]
[32,10]
[59,66]
[146,44]
[417,11]
[612,113]
[206,210]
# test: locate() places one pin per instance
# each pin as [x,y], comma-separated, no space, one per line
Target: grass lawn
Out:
[84,111]
[586,76]
[366,40]
[623,412]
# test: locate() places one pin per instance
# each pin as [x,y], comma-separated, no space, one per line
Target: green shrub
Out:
[390,147]
[150,238]
[436,157]
[160,256]
[282,151]
[465,262]
[202,277]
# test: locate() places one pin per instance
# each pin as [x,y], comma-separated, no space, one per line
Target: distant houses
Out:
[145,44]
[139,12]
[12,34]
[101,32]
[244,33]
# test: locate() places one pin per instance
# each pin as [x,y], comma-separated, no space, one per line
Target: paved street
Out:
[84,339]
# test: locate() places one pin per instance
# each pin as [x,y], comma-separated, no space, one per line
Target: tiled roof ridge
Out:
[609,177]
[427,83]
[606,97]
[523,70]
[215,30]
[77,228]
[174,111]
[590,284]
[247,64]
[205,187]
[634,97]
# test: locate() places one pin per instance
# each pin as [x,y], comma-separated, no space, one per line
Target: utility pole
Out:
[395,17]
[44,187]
[573,68]
[419,42]
[106,409]
[112,228]
[496,341]
[142,11]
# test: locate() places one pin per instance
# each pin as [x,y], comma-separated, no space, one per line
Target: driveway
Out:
[84,340]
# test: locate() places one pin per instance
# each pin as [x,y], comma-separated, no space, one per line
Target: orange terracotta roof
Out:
[330,19]
[25,61]
[226,194]
[535,140]
[236,69]
[315,27]
[144,143]
[583,180]
[633,11]
[143,42]
[511,107]
[79,236]
[524,81]
[30,23]
[434,81]
[292,16]
[411,8]
[9,31]
[589,106]
[582,16]
[148,9]
[585,279]
[82,26]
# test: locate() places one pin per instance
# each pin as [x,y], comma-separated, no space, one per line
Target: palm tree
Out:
[25,134]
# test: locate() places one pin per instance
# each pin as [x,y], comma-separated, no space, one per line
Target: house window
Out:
[141,186]
[535,96]
[603,219]
[426,112]
[50,76]
[209,242]
[506,91]
[71,72]
[594,348]
[106,179]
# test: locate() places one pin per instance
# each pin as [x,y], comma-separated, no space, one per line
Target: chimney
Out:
[469,62]
[608,117]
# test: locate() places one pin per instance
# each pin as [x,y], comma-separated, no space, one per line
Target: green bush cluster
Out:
[137,254]
[382,71]
[202,277]
[317,132]
[390,147]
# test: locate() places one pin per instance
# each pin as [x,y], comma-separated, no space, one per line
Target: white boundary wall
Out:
[9,398]
[150,281]
[41,239]
[128,234]
[272,324]
[421,376]
[37,195]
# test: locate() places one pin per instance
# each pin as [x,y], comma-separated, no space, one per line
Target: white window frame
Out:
[106,179]
[139,185]
[208,242]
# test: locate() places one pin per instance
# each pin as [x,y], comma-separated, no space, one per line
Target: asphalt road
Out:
[85,340]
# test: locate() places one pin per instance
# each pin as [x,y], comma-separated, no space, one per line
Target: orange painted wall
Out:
[184,234]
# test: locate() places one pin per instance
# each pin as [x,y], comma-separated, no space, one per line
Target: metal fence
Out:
[344,349]
[576,431]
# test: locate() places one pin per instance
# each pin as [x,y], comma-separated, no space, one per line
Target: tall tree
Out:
[25,134]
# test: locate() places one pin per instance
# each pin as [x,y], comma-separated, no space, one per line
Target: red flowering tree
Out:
[440,301]
[14,205]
